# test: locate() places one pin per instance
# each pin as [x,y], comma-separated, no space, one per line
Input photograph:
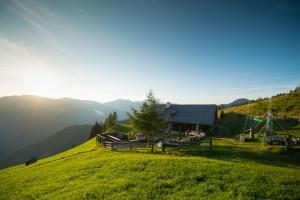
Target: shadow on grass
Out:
[291,158]
[271,155]
[64,157]
[233,153]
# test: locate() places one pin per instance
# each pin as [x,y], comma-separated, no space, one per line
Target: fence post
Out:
[130,146]
[163,147]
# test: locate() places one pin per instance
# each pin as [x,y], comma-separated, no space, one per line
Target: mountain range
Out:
[26,120]
[61,141]
[124,105]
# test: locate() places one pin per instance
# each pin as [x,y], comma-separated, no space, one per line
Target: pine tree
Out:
[97,129]
[103,126]
[94,130]
[114,118]
[111,120]
[148,120]
[259,107]
[222,115]
[107,121]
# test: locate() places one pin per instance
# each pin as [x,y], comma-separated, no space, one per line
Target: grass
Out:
[229,171]
[284,105]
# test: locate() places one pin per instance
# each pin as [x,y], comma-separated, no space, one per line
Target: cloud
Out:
[9,46]
[16,61]
[15,56]
[11,53]
[44,21]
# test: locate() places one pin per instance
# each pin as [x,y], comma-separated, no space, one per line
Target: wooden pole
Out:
[130,146]
[210,143]
[163,147]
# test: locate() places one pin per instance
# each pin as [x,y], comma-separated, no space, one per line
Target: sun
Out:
[41,81]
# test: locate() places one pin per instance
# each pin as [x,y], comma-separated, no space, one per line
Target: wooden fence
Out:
[116,145]
[124,145]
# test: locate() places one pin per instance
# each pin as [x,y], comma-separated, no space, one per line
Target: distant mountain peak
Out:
[121,100]
[236,102]
[124,104]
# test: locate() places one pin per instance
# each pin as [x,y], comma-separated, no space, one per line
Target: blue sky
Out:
[186,51]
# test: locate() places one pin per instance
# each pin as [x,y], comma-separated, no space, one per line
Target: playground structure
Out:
[267,131]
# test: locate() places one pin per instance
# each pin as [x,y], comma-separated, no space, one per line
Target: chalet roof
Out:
[191,114]
[118,136]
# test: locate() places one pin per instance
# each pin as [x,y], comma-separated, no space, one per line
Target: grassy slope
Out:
[287,105]
[244,171]
[283,105]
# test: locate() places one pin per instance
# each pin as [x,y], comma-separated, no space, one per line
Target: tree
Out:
[111,120]
[148,120]
[92,132]
[107,122]
[114,118]
[103,125]
[259,107]
[222,115]
[96,129]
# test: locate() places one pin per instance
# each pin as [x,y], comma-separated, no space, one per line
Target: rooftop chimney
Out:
[168,105]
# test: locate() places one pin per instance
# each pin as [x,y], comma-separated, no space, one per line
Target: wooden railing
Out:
[116,145]
[124,145]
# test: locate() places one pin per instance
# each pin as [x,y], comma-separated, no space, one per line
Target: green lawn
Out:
[229,171]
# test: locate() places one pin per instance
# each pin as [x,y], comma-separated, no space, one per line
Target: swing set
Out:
[267,131]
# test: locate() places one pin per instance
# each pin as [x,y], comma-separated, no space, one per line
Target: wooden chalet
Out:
[188,118]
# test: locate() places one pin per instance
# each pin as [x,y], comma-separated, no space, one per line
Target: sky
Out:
[186,51]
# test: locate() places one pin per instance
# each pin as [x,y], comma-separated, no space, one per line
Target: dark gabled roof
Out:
[191,114]
[118,136]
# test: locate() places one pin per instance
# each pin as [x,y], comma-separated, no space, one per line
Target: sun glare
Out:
[41,81]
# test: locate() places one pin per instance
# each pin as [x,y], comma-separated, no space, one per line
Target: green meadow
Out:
[228,171]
